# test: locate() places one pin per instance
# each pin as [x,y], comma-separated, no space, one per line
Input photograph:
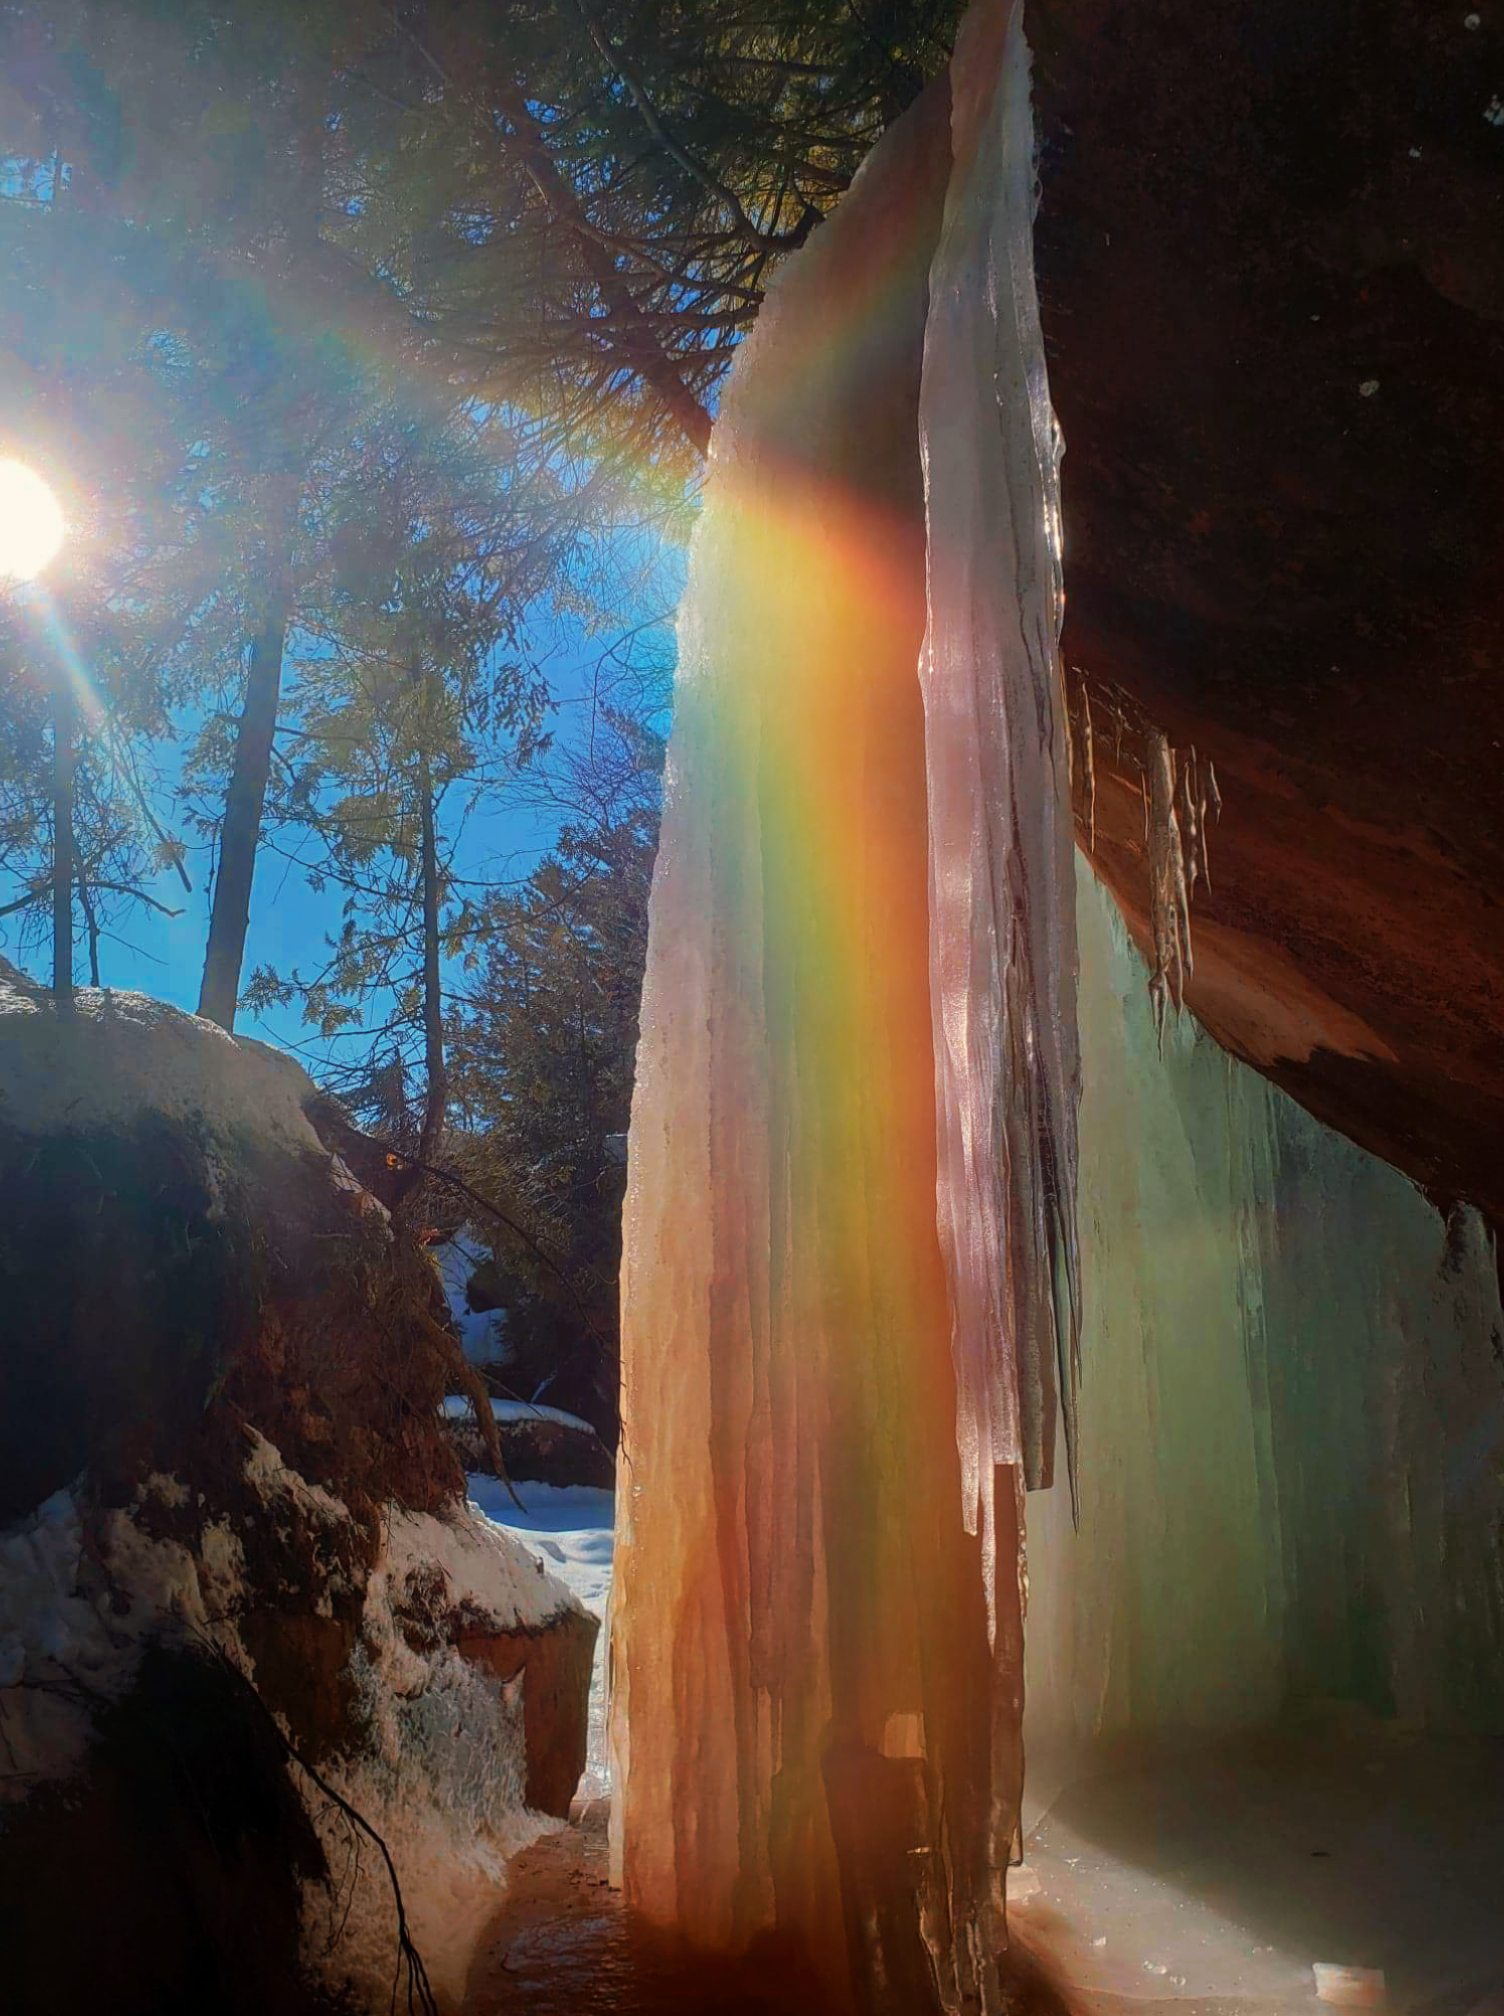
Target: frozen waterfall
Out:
[852,1276]
[849,1235]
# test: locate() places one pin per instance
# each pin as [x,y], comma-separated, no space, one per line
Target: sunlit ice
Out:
[32,526]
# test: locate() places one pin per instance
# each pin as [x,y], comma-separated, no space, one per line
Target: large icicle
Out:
[1002,919]
[817,1678]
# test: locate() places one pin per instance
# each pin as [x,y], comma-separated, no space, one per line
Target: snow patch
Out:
[273,1482]
[74,1620]
[482,1336]
[170,1491]
[40,1619]
[289,1497]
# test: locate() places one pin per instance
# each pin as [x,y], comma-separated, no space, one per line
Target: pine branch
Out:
[786,242]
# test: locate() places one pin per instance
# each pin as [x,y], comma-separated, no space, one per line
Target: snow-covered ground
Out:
[482,1337]
[457,1408]
[571,1530]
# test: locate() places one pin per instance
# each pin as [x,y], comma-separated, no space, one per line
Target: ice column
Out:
[817,1674]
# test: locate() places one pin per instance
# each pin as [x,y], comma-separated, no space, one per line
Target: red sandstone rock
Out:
[555,1663]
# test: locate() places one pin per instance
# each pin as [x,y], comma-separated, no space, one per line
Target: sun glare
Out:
[31,522]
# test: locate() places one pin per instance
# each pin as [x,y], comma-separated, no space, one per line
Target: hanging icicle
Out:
[1088,770]
[1180,802]
[997,744]
[849,1307]
[1169,886]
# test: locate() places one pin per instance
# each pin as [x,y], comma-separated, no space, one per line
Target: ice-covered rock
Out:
[1292,1425]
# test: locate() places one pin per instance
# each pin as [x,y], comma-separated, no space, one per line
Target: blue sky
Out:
[502,842]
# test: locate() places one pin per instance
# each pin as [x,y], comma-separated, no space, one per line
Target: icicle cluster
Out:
[1291,1427]
[1087,733]
[1178,797]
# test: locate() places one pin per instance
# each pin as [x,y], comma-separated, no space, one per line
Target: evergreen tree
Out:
[412,701]
[569,208]
[86,407]
[368,319]
[543,1049]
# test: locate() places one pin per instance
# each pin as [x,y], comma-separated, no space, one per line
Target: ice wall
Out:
[817,1670]
[1385,1343]
[1292,1411]
[1165,1609]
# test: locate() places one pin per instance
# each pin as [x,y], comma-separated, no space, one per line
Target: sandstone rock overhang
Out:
[1270,251]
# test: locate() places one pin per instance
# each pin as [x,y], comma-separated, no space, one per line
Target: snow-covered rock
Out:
[542,1445]
[453,1722]
[180,1243]
[572,1532]
[123,1056]
[239,1582]
[471,1674]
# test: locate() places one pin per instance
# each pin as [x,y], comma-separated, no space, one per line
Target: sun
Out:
[31,522]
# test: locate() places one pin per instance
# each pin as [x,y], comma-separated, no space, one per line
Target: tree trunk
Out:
[63,865]
[437,1097]
[241,832]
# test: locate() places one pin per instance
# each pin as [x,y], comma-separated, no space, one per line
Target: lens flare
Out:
[31,522]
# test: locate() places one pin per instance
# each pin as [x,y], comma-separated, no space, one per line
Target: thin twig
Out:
[36,894]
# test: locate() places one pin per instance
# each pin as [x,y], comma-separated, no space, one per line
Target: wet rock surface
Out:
[563,1942]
